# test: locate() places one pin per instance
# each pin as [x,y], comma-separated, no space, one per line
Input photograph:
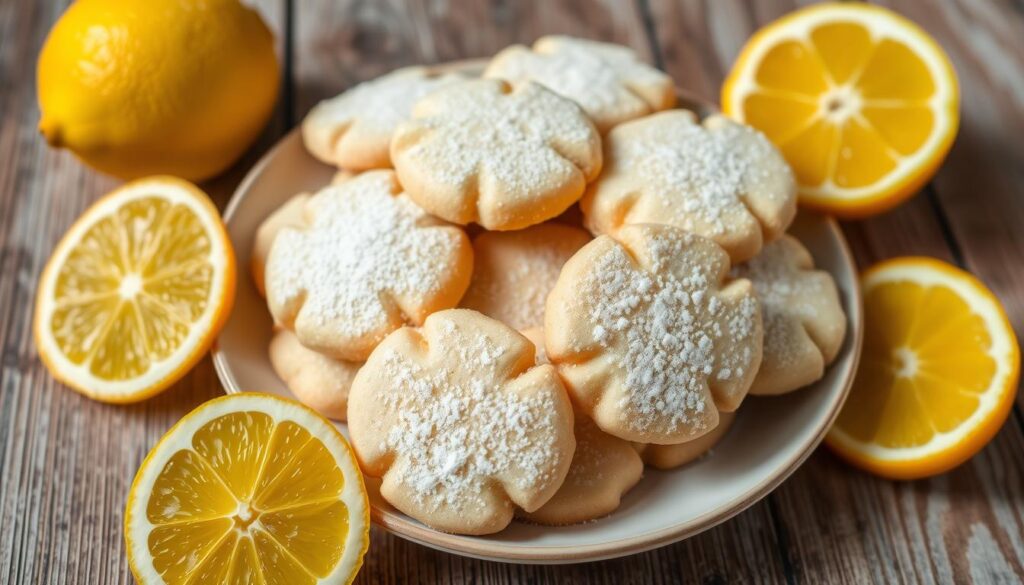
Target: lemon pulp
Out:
[249,501]
[931,355]
[862,103]
[129,293]
[851,107]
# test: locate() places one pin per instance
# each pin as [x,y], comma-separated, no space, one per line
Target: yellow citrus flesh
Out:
[248,488]
[136,291]
[937,376]
[862,103]
[142,87]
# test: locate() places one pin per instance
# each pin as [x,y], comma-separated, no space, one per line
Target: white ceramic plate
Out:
[770,439]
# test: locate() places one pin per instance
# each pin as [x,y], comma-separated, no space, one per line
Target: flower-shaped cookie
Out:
[353,130]
[804,322]
[608,81]
[367,262]
[513,272]
[673,456]
[319,382]
[719,179]
[291,214]
[479,151]
[649,337]
[288,215]
[461,423]
[603,469]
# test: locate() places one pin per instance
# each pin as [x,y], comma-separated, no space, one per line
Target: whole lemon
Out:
[142,87]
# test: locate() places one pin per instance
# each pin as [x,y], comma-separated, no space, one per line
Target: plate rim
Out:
[409,529]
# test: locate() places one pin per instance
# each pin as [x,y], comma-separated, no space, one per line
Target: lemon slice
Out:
[136,291]
[248,488]
[938,374]
[862,103]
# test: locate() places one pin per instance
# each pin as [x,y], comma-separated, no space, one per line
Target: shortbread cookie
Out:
[288,215]
[367,261]
[608,81]
[513,272]
[353,130]
[479,151]
[804,322]
[673,456]
[461,423]
[649,337]
[341,176]
[536,337]
[718,179]
[319,382]
[603,469]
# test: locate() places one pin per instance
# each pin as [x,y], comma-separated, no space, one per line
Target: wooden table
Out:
[66,462]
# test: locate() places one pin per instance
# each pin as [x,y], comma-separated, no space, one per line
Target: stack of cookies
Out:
[628,283]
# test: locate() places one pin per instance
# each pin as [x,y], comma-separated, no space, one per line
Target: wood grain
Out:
[843,526]
[979,187]
[66,462]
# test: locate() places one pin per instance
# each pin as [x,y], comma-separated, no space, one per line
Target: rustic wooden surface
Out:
[66,462]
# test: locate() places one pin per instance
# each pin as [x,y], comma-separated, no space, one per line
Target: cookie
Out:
[536,337]
[603,469]
[319,382]
[367,261]
[481,151]
[673,456]
[460,423]
[513,272]
[288,215]
[650,338]
[718,179]
[353,130]
[608,81]
[804,322]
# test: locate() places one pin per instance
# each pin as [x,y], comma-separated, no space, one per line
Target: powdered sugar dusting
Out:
[668,330]
[597,76]
[515,271]
[364,245]
[783,288]
[506,142]
[701,174]
[538,274]
[590,461]
[383,103]
[457,433]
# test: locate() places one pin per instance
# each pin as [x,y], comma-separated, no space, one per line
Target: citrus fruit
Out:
[862,103]
[136,291]
[248,488]
[938,374]
[142,87]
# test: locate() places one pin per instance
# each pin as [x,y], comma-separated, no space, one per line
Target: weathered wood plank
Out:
[343,43]
[347,42]
[844,526]
[979,187]
[66,462]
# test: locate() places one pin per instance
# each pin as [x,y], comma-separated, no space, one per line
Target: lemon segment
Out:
[862,103]
[937,376]
[248,488]
[135,292]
